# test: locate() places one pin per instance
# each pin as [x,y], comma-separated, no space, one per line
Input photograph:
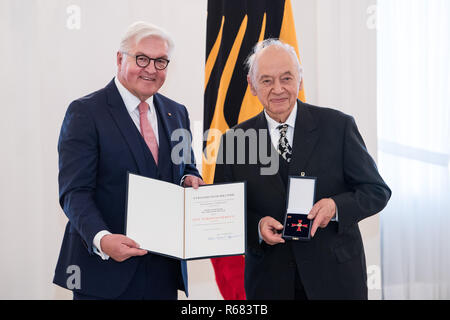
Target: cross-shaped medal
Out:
[299,225]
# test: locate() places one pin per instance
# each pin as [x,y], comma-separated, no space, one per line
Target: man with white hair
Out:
[308,141]
[124,127]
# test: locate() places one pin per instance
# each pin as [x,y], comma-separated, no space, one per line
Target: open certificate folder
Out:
[185,223]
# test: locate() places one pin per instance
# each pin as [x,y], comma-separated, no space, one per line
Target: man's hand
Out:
[268,228]
[322,212]
[120,247]
[193,181]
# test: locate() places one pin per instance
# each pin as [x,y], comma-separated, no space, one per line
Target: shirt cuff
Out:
[184,177]
[259,233]
[336,216]
[97,247]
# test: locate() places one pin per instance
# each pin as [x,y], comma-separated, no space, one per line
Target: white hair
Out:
[251,61]
[141,30]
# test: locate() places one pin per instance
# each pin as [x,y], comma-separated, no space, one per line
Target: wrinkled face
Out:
[143,82]
[276,82]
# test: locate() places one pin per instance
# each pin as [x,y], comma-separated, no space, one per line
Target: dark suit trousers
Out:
[156,278]
[300,293]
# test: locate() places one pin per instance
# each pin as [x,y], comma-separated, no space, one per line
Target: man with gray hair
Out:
[124,127]
[310,141]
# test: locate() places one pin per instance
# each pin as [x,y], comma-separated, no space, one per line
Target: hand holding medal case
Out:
[300,200]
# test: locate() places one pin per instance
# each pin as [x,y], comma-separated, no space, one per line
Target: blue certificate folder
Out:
[300,200]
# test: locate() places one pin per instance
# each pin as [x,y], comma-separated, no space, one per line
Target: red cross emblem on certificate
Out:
[299,225]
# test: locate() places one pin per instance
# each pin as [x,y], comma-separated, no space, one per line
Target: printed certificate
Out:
[186,223]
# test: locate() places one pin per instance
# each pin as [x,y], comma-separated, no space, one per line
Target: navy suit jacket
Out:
[99,143]
[327,145]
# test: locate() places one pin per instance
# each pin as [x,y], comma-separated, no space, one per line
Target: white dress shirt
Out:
[132,103]
[275,133]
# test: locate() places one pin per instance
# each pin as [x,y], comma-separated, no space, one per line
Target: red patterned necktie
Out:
[147,131]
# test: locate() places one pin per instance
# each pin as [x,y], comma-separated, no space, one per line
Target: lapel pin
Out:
[169,114]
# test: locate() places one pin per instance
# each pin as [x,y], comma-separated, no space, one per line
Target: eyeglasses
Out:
[143,61]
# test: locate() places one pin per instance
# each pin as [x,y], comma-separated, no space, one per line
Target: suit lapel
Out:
[271,180]
[126,125]
[306,136]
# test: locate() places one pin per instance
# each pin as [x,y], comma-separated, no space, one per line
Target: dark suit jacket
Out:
[327,145]
[98,145]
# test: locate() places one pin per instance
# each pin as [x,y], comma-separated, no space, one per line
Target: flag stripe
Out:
[251,105]
[211,61]
[234,11]
[288,35]
[218,122]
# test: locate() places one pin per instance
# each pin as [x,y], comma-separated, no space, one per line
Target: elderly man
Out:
[124,127]
[311,141]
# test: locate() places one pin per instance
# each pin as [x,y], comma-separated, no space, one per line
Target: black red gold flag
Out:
[233,28]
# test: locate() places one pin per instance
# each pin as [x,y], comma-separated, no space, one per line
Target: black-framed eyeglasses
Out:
[143,61]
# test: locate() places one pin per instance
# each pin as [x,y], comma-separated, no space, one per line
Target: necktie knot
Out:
[283,128]
[143,107]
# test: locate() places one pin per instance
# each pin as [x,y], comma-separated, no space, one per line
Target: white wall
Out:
[345,69]
[46,64]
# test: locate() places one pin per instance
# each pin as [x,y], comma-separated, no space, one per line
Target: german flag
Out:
[233,29]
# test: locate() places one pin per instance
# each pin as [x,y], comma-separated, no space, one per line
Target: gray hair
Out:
[141,30]
[251,60]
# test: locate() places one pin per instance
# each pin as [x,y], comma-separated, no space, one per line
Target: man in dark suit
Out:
[310,141]
[124,127]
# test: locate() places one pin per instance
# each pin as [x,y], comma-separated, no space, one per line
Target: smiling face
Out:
[143,82]
[276,82]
